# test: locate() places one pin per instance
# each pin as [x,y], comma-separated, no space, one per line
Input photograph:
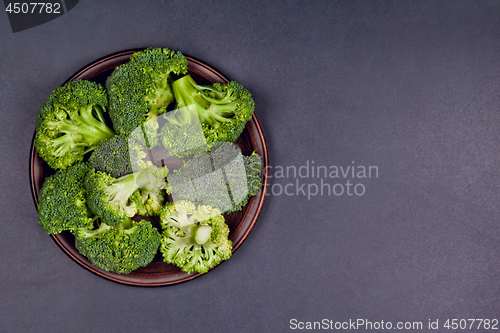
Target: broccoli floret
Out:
[198,181]
[253,168]
[223,109]
[141,141]
[120,249]
[140,90]
[194,239]
[115,200]
[62,202]
[151,202]
[111,198]
[138,151]
[182,134]
[223,178]
[152,196]
[70,123]
[112,157]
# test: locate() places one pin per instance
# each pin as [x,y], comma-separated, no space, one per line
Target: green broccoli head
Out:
[253,169]
[112,157]
[223,109]
[194,238]
[62,202]
[115,200]
[120,249]
[111,198]
[70,123]
[151,198]
[150,202]
[140,90]
[223,178]
[199,181]
[182,134]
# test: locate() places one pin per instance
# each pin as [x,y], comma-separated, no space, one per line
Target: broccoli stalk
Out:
[120,191]
[152,192]
[223,109]
[79,130]
[211,111]
[71,123]
[161,97]
[201,234]
[93,233]
[151,201]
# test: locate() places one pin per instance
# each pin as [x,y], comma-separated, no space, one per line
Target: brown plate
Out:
[159,273]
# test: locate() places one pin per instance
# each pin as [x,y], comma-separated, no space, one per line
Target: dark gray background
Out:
[409,86]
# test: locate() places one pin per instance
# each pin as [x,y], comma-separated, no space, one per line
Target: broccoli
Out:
[70,123]
[198,181]
[115,200]
[253,168]
[62,203]
[150,201]
[193,238]
[111,198]
[138,150]
[120,249]
[112,157]
[152,196]
[223,179]
[223,109]
[182,134]
[140,89]
[141,141]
